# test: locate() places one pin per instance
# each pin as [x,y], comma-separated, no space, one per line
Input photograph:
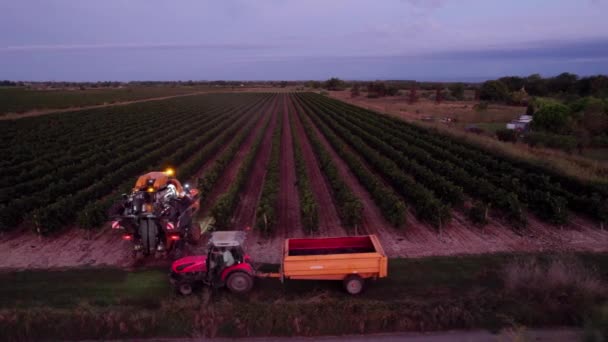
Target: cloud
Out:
[134,46]
[592,48]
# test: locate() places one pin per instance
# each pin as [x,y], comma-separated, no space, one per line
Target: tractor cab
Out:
[228,244]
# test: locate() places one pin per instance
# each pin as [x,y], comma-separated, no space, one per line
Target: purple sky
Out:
[446,40]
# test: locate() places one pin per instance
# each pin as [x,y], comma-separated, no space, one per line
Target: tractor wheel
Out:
[149,234]
[239,282]
[184,288]
[353,284]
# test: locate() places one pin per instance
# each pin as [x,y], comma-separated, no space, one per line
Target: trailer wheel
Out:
[239,282]
[185,288]
[353,284]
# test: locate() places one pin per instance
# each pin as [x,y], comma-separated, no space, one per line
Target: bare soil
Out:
[244,213]
[73,248]
[233,167]
[329,221]
[289,219]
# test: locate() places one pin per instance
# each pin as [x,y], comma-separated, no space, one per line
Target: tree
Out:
[562,83]
[334,84]
[514,83]
[494,91]
[535,85]
[457,90]
[595,118]
[553,118]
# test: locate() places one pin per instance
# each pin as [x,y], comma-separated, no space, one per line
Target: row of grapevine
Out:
[71,146]
[548,204]
[427,207]
[266,218]
[444,189]
[223,208]
[104,161]
[392,207]
[478,187]
[94,214]
[309,211]
[210,178]
[349,206]
[107,175]
[65,133]
[57,203]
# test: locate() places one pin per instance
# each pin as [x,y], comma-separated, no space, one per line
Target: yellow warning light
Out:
[150,189]
[170,172]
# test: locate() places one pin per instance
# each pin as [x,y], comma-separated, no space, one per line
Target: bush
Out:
[552,280]
[544,139]
[553,118]
[504,134]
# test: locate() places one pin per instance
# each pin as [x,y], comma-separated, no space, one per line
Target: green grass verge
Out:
[419,295]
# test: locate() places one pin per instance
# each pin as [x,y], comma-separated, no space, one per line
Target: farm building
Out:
[520,124]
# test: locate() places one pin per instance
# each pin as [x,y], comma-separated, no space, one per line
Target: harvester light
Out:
[170,172]
[127,237]
[174,237]
[150,189]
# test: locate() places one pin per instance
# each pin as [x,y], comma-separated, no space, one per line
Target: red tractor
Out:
[225,264]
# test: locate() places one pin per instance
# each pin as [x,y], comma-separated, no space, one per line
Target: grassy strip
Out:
[222,209]
[426,294]
[349,206]
[266,218]
[309,210]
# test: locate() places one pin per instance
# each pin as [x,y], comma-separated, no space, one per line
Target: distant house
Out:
[520,124]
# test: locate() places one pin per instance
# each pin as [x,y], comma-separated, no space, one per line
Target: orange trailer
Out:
[352,259]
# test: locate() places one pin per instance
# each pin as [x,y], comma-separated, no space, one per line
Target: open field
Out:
[359,172]
[426,294]
[22,101]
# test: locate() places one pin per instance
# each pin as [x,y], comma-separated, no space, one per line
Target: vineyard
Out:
[20,100]
[295,165]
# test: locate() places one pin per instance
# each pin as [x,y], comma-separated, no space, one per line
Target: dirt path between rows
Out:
[16,116]
[329,221]
[244,213]
[289,219]
[232,169]
[373,222]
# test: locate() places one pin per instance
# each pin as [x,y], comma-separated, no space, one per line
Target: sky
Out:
[426,40]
